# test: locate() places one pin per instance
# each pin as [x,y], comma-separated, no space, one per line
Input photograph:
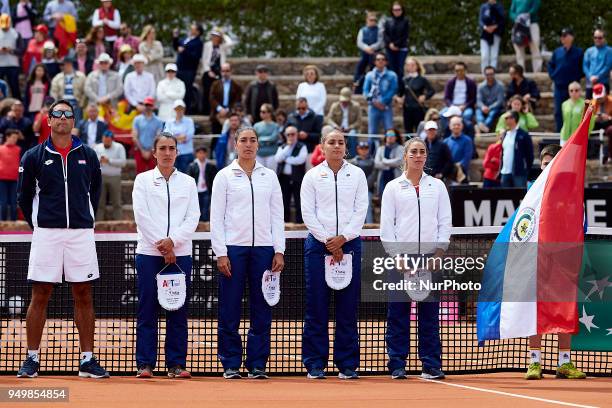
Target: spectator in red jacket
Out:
[9,173]
[491,165]
[34,53]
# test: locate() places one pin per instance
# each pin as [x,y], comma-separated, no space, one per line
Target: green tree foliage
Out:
[317,28]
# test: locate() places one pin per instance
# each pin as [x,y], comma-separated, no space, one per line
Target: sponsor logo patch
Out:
[82,162]
[48,162]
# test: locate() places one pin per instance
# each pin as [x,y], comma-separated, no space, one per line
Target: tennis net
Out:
[115,304]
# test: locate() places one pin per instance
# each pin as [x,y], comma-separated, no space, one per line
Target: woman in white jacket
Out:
[415,219]
[167,212]
[334,199]
[169,90]
[248,238]
[313,90]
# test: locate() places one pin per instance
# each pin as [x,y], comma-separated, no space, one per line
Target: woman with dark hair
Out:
[396,29]
[334,201]
[415,220]
[248,238]
[96,44]
[36,89]
[388,158]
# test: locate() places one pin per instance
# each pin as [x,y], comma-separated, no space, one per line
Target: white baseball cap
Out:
[104,57]
[431,125]
[171,67]
[177,103]
[452,111]
[139,58]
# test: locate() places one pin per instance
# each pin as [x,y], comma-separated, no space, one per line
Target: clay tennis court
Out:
[487,390]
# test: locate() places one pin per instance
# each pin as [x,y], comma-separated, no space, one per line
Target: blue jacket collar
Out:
[76,142]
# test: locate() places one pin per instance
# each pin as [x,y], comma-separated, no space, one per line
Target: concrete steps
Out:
[346,65]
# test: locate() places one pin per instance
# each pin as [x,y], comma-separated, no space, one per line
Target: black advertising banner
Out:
[476,207]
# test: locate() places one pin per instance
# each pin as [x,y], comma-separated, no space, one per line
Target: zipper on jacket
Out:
[336,186]
[65,172]
[252,209]
[416,188]
[168,192]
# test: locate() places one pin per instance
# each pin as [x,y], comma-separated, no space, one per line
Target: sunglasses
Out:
[58,114]
[574,90]
[381,59]
[397,9]
[290,134]
[597,38]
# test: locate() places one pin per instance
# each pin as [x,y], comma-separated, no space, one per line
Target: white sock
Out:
[535,355]
[33,354]
[564,357]
[86,356]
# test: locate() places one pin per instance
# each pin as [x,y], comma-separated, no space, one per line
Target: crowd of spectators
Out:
[124,96]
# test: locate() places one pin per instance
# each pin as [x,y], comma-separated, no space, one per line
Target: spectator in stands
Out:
[104,85]
[125,37]
[492,164]
[90,129]
[139,84]
[125,65]
[34,51]
[291,159]
[460,91]
[9,58]
[525,13]
[153,51]
[82,62]
[433,115]
[572,111]
[492,22]
[203,172]
[527,121]
[49,59]
[267,130]
[379,88]
[214,55]
[112,159]
[313,90]
[225,93]
[188,55]
[346,116]
[109,18]
[169,90]
[519,85]
[96,45]
[24,16]
[244,119]
[70,86]
[10,154]
[597,63]
[260,91]
[41,127]
[36,89]
[307,123]
[461,147]
[183,129]
[439,162]
[414,90]
[55,10]
[281,119]
[225,150]
[490,100]
[365,162]
[564,67]
[396,30]
[145,129]
[369,41]
[389,158]
[15,119]
[517,153]
[603,120]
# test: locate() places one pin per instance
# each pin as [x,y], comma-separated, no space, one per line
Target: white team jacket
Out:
[334,205]
[420,223]
[246,212]
[165,209]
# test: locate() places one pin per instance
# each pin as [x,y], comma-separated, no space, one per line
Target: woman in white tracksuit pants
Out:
[415,219]
[334,200]
[248,237]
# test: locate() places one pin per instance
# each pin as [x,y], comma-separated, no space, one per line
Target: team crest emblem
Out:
[524,226]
